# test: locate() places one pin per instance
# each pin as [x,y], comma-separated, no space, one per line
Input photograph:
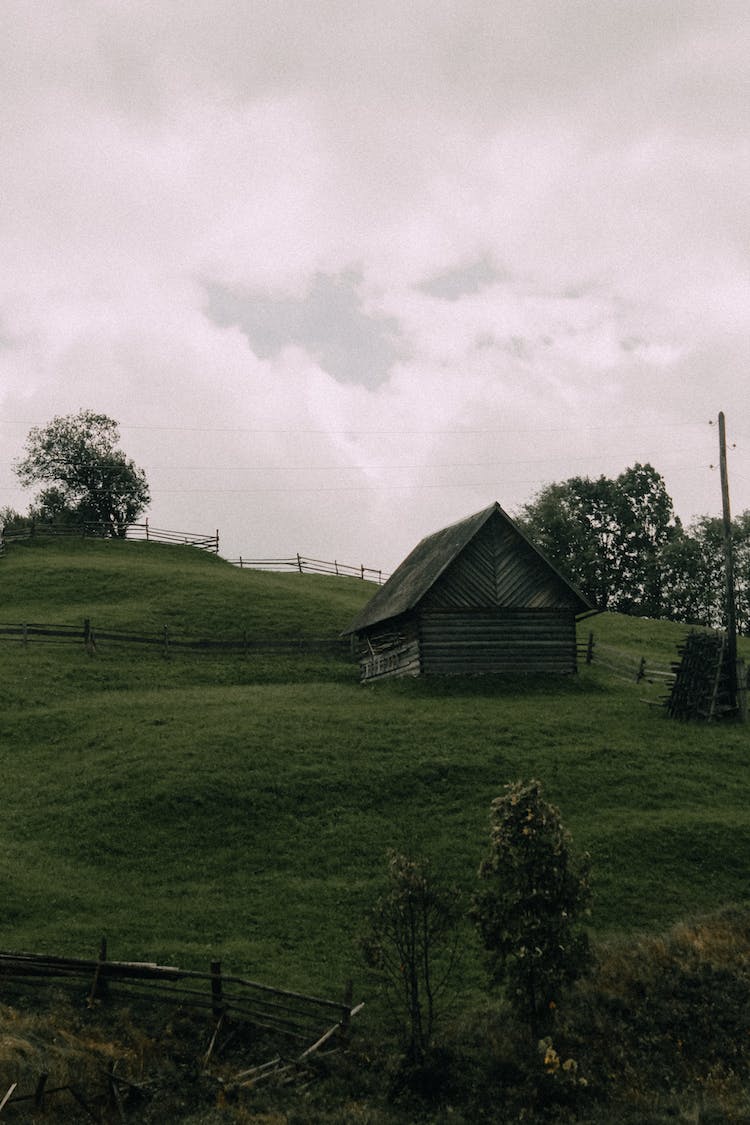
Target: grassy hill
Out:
[239,805]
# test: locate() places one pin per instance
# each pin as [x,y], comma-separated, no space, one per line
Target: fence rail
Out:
[144,532]
[653,677]
[166,640]
[140,531]
[312,1020]
[311,566]
[294,1014]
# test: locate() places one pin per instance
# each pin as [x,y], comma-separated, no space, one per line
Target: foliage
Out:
[412,943]
[607,535]
[10,519]
[531,897]
[694,573]
[89,479]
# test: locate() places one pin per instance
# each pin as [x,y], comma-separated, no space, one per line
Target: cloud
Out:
[347,272]
[328,322]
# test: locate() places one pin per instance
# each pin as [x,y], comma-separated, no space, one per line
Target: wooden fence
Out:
[166,640]
[144,532]
[653,677]
[311,566]
[140,531]
[294,1016]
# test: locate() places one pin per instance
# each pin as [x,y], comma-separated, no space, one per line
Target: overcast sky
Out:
[347,271]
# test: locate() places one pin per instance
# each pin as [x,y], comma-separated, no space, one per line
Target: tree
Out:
[606,536]
[695,578]
[90,480]
[411,944]
[532,893]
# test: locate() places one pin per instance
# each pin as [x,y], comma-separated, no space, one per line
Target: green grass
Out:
[240,806]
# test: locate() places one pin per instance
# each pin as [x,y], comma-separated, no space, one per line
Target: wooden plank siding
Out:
[497,641]
[391,650]
[497,568]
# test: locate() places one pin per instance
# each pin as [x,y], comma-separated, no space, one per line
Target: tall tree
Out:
[89,479]
[607,535]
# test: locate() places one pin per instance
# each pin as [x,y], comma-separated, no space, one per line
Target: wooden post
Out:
[39,1092]
[741,691]
[217,998]
[99,986]
[147,529]
[641,670]
[346,1019]
[299,562]
[729,562]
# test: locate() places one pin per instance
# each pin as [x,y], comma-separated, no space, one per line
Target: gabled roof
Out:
[421,569]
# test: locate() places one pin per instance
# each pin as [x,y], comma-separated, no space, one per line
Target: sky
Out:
[345,272]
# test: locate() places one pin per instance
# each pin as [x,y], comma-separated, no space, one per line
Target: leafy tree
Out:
[607,536]
[532,893]
[89,479]
[694,573]
[411,944]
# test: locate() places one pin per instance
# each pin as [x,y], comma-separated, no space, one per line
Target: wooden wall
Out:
[471,642]
[390,649]
[498,641]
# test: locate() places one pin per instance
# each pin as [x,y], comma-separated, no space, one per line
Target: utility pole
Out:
[729,562]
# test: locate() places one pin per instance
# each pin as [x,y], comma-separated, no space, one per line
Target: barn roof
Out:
[421,569]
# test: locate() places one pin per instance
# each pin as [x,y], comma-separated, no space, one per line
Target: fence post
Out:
[641,670]
[299,562]
[362,571]
[346,1019]
[147,529]
[99,986]
[217,998]
[39,1092]
[217,540]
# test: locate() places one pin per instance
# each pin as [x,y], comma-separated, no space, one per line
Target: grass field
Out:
[239,806]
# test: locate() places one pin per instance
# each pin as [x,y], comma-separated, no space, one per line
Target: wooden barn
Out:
[476,597]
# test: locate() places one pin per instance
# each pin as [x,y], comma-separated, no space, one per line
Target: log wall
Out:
[497,641]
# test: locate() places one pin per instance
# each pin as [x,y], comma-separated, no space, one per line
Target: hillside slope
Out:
[240,806]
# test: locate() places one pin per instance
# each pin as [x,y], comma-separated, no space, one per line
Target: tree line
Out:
[621,544]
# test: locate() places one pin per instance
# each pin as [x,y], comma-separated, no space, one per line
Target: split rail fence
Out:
[280,1010]
[294,1016]
[311,566]
[654,677]
[143,532]
[168,641]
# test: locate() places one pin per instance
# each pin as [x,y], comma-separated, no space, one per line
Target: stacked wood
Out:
[703,683]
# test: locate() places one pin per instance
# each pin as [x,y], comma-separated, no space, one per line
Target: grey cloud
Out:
[328,322]
[462,281]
